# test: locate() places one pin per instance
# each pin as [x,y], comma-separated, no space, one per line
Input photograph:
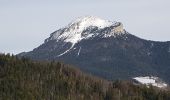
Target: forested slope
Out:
[23,79]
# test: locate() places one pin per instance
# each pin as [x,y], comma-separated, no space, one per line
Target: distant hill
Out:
[105,49]
[24,79]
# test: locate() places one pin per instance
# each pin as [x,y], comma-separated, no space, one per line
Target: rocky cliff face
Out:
[118,28]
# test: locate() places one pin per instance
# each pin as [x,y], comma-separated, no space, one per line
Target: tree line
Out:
[24,79]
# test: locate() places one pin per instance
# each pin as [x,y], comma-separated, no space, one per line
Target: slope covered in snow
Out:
[85,28]
[74,32]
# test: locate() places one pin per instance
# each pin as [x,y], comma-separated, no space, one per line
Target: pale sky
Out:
[25,24]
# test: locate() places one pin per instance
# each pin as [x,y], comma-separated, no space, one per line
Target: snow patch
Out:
[79,52]
[154,81]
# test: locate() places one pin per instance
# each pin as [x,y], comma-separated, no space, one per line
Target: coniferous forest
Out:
[24,79]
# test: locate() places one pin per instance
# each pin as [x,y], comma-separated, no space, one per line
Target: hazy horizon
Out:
[26,24]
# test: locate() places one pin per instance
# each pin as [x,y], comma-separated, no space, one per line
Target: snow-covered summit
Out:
[85,22]
[74,32]
[85,28]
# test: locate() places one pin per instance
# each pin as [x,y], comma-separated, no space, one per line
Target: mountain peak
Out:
[87,21]
[85,28]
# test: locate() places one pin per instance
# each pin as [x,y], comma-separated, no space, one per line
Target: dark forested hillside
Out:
[23,79]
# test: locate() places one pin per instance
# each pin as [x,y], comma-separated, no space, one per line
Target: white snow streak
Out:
[79,52]
[66,51]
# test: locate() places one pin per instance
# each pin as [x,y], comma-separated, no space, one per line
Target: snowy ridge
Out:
[87,21]
[154,81]
[73,33]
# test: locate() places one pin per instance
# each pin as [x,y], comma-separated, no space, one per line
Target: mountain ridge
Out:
[118,55]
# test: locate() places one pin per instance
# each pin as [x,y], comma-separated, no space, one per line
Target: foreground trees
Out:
[23,79]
